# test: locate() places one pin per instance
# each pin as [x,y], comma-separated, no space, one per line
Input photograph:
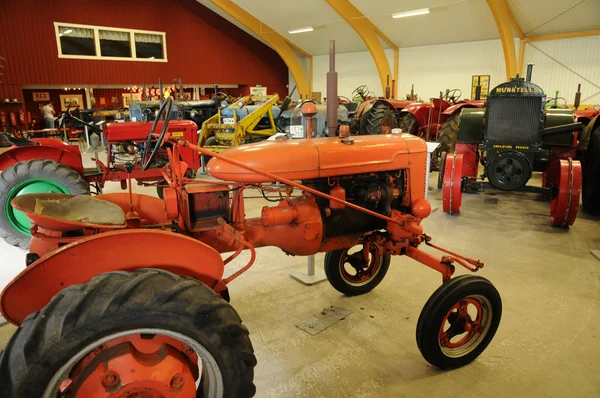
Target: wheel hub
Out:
[37,185]
[464,326]
[508,171]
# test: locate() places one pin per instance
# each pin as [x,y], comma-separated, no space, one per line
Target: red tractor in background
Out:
[48,165]
[438,120]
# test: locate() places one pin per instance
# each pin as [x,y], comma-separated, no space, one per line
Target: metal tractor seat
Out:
[81,209]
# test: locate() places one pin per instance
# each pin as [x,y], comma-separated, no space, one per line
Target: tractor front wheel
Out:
[33,176]
[145,333]
[458,321]
[591,175]
[352,274]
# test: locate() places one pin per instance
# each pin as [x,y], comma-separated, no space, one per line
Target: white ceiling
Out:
[449,21]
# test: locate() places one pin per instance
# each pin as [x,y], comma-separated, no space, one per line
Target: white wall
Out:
[562,64]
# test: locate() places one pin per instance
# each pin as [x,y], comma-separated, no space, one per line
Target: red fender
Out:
[420,111]
[80,261]
[451,110]
[68,155]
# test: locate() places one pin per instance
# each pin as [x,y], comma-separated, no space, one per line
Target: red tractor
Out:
[438,120]
[52,166]
[97,319]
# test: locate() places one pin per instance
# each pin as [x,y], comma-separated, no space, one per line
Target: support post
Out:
[502,16]
[312,275]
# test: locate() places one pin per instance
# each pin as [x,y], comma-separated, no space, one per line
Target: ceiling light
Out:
[66,32]
[301,30]
[411,13]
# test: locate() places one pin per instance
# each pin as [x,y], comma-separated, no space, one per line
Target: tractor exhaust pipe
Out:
[565,128]
[332,92]
[577,97]
[529,72]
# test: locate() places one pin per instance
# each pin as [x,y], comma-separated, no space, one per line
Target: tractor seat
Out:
[81,209]
[16,141]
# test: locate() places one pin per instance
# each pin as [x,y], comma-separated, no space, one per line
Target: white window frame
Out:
[96,30]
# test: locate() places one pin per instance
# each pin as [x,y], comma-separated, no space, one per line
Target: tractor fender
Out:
[60,154]
[470,127]
[451,110]
[80,261]
[366,106]
[420,110]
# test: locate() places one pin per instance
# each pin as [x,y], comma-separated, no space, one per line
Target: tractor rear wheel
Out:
[591,175]
[33,176]
[448,134]
[210,141]
[379,120]
[409,124]
[143,333]
[351,275]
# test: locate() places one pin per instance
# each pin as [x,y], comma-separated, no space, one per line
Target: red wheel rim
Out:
[355,274]
[452,194]
[465,325]
[564,179]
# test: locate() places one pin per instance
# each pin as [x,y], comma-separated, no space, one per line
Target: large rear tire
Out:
[409,124]
[210,141]
[84,325]
[448,134]
[379,120]
[591,175]
[33,176]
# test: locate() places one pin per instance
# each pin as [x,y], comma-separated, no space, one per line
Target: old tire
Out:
[379,120]
[448,134]
[472,293]
[590,195]
[33,176]
[409,124]
[146,302]
[210,141]
[353,282]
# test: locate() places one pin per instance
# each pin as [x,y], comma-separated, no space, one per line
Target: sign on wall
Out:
[39,96]
[259,91]
[65,100]
[484,82]
[131,97]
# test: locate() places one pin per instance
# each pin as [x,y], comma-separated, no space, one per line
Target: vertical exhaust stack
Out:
[577,97]
[529,72]
[332,92]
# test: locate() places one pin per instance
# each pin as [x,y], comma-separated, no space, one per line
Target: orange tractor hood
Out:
[320,157]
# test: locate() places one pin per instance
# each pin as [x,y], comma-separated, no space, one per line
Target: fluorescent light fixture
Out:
[301,30]
[68,31]
[411,13]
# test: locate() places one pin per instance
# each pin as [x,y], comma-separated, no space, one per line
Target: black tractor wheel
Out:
[210,141]
[351,275]
[379,120]
[591,175]
[458,321]
[131,333]
[33,176]
[409,124]
[448,134]
[441,170]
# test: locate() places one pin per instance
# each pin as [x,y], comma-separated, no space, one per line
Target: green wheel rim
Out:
[17,218]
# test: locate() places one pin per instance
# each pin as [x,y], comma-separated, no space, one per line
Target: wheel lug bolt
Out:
[110,379]
[177,382]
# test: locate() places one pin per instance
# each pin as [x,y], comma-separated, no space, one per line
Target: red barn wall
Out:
[202,47]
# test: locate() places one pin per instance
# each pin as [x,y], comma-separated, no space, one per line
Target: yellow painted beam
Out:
[515,24]
[310,65]
[396,65]
[501,12]
[276,41]
[368,33]
[568,35]
[521,56]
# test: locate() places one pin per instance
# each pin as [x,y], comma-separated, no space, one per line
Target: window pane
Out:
[76,41]
[114,44]
[149,46]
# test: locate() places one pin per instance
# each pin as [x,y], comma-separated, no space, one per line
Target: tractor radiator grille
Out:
[513,120]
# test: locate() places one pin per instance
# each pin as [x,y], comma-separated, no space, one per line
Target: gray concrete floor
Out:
[548,343]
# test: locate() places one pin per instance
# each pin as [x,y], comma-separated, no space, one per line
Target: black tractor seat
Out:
[16,141]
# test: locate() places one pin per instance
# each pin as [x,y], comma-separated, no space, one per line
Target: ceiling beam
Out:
[502,16]
[567,35]
[369,34]
[275,40]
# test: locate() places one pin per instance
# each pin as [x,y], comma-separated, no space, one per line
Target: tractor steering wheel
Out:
[361,91]
[168,104]
[63,118]
[453,97]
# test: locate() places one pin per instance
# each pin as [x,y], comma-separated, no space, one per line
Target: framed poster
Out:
[127,99]
[484,82]
[41,96]
[77,100]
[259,91]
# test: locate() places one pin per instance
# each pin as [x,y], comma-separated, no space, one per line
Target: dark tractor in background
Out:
[515,136]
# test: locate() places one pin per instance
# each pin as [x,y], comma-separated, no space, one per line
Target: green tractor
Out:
[515,136]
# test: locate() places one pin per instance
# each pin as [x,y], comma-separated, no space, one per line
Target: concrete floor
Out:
[548,343]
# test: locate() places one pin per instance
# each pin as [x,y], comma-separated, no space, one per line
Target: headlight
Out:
[193,114]
[224,104]
[240,104]
[287,129]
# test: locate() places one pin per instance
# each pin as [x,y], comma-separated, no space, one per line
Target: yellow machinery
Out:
[249,119]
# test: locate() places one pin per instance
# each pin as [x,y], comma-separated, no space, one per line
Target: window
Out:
[100,42]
